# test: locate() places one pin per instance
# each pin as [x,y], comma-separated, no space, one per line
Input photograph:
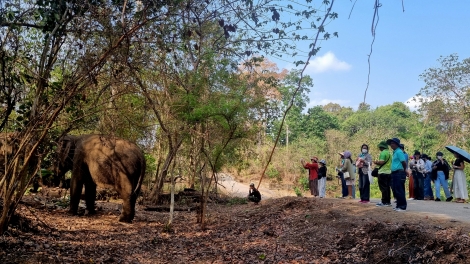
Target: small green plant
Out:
[237,200]
[303,181]
[262,256]
[297,191]
[64,202]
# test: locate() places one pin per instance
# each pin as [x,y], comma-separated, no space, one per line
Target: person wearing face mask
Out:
[363,162]
[440,175]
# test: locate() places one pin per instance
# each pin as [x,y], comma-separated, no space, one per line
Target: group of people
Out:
[392,169]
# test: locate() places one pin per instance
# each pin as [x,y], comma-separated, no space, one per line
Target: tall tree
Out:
[445,99]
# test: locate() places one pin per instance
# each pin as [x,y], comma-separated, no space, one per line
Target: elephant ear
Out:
[65,149]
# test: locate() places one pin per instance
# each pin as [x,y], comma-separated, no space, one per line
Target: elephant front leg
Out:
[75,193]
[90,197]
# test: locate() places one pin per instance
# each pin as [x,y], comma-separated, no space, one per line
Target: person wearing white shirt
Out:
[417,166]
[428,194]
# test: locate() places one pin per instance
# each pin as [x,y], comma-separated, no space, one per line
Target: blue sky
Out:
[407,43]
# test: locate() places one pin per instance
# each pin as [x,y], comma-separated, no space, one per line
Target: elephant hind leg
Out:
[90,197]
[128,208]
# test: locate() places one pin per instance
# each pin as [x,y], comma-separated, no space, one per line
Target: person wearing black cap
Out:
[440,175]
[417,169]
[428,195]
[398,174]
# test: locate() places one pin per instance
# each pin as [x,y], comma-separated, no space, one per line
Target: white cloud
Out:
[415,102]
[327,62]
[313,103]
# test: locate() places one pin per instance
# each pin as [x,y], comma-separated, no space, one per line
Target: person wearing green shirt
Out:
[384,177]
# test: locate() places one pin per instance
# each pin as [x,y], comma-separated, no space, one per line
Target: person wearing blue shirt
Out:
[398,174]
[408,173]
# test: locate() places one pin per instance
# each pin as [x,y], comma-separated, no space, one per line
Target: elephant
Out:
[98,160]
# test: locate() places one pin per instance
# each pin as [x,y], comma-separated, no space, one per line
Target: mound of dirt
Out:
[284,230]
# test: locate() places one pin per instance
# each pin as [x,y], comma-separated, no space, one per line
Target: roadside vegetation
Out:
[195,86]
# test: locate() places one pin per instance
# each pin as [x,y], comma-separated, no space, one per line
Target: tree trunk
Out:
[172,195]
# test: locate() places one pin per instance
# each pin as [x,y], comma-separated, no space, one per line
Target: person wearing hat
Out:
[384,173]
[398,174]
[440,175]
[428,195]
[417,169]
[322,178]
[312,175]
[347,166]
[253,194]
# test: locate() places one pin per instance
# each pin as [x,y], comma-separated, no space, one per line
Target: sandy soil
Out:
[231,187]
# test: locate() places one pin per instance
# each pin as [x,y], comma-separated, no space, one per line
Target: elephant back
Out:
[110,159]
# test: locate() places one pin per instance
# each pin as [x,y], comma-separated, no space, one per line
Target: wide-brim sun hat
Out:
[323,162]
[396,140]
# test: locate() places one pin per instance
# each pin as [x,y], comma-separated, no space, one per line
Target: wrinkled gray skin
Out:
[103,161]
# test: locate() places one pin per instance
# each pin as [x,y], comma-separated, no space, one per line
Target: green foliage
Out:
[317,121]
[297,191]
[273,173]
[304,183]
[151,165]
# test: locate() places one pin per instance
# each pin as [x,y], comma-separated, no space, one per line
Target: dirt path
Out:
[237,189]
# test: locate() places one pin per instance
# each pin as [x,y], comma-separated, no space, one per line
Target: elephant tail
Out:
[143,167]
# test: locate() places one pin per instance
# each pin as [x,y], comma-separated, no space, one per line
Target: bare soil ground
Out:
[282,230]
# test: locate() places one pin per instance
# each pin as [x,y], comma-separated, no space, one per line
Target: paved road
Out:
[447,210]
